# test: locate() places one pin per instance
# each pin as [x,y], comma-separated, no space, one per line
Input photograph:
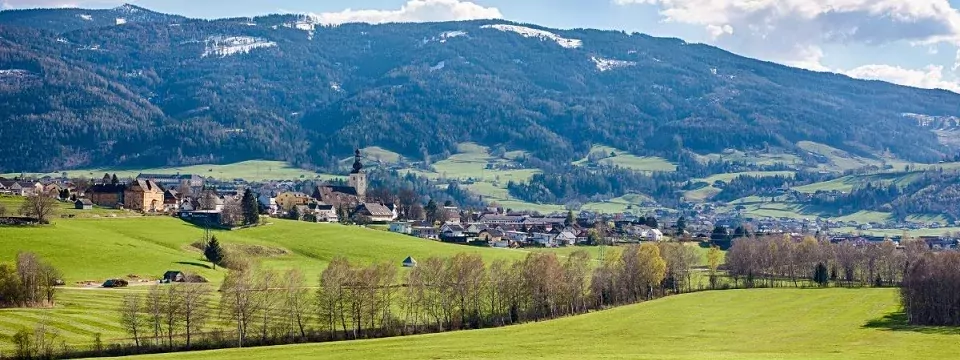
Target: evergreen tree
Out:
[571,220]
[251,211]
[433,211]
[652,222]
[213,252]
[114,180]
[821,275]
[105,179]
[681,225]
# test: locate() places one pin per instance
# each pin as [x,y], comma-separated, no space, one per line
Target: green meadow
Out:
[791,324]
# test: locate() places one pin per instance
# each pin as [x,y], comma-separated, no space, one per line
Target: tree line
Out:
[931,290]
[259,306]
[28,282]
[771,261]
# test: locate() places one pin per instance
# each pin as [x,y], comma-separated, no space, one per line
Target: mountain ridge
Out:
[280,87]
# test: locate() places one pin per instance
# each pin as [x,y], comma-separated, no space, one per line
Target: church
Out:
[347,197]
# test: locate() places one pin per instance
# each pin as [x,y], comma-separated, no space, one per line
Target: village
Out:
[209,202]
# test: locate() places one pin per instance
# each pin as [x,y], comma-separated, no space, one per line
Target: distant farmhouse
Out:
[140,195]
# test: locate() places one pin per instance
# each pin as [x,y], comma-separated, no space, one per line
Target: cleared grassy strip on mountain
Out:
[737,324]
[709,191]
[625,160]
[253,170]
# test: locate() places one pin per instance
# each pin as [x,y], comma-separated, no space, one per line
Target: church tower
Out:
[358,179]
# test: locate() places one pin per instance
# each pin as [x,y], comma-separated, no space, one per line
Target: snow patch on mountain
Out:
[86,17]
[224,46]
[444,36]
[336,86]
[542,34]
[13,72]
[126,8]
[121,21]
[610,64]
[941,122]
[438,66]
[451,34]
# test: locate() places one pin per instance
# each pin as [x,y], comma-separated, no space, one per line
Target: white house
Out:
[454,230]
[401,228]
[548,240]
[566,238]
[651,235]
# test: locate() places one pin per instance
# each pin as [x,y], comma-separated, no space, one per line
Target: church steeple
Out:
[357,165]
[358,178]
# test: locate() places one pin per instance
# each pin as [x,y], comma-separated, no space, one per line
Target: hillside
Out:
[738,324]
[98,249]
[162,90]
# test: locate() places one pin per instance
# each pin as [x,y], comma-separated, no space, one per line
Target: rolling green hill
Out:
[838,324]
[97,249]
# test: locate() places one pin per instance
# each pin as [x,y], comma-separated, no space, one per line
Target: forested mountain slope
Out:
[158,89]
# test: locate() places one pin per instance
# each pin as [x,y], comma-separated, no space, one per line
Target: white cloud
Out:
[930,77]
[956,64]
[787,30]
[413,11]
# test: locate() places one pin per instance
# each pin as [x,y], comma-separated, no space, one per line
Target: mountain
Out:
[65,20]
[81,90]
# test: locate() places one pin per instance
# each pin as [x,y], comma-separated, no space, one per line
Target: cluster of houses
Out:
[495,228]
[328,203]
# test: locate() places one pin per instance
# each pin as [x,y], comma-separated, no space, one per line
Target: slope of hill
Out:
[98,249]
[737,324]
[171,91]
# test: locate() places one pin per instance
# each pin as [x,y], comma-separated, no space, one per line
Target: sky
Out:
[908,42]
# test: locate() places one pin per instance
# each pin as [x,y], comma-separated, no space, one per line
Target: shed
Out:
[409,262]
[83,204]
[173,276]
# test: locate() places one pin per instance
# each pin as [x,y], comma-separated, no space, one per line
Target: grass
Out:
[709,191]
[759,158]
[736,324]
[98,249]
[627,160]
[469,165]
[253,170]
[65,209]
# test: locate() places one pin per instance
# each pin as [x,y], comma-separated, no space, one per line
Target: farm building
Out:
[409,262]
[174,276]
[83,204]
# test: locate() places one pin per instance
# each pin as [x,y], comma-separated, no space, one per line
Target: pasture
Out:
[756,324]
[625,160]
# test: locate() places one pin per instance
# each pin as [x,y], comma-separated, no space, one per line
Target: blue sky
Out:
[911,42]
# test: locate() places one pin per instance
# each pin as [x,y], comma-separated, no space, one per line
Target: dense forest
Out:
[83,88]
[932,192]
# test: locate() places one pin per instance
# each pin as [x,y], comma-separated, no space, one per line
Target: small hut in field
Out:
[409,262]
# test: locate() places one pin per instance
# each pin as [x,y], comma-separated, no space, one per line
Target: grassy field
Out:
[254,170]
[145,247]
[786,324]
[759,158]
[65,209]
[626,160]
[97,249]
[709,191]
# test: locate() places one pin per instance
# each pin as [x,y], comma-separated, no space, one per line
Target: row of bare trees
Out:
[30,282]
[773,261]
[259,306]
[931,290]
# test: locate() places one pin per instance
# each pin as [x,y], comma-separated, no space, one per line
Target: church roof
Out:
[357,165]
